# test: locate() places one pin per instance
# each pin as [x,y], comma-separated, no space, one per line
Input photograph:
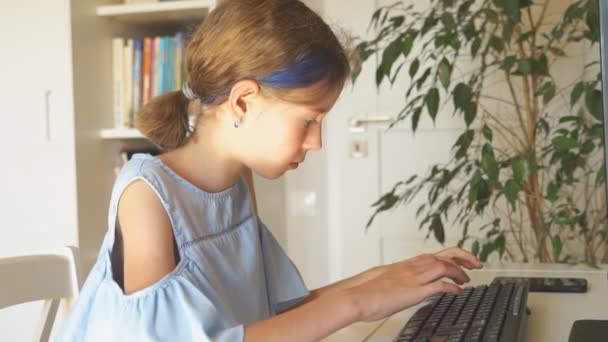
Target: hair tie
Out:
[188,93]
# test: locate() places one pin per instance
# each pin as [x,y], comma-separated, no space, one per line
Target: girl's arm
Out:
[340,286]
[308,322]
[393,288]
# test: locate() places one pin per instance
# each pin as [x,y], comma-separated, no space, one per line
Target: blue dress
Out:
[231,270]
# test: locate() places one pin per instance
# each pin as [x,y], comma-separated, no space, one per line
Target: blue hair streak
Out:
[304,72]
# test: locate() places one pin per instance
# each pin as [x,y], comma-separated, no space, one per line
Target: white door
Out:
[355,182]
[37,172]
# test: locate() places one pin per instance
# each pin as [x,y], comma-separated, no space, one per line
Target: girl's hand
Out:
[397,286]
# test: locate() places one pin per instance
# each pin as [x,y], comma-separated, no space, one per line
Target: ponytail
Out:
[164,120]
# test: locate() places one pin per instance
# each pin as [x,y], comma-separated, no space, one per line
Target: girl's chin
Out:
[293,166]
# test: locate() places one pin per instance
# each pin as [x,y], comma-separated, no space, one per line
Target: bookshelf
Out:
[120,134]
[145,20]
[159,12]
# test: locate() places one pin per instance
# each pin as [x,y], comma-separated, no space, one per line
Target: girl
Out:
[185,257]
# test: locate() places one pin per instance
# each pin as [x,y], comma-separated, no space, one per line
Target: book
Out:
[157,75]
[128,83]
[137,79]
[147,70]
[118,84]
[177,71]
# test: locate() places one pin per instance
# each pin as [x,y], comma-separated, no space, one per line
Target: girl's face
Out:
[280,133]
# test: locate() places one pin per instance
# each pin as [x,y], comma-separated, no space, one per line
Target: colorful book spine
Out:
[143,69]
[137,78]
[156,67]
[145,96]
[169,80]
[178,51]
[128,83]
[118,84]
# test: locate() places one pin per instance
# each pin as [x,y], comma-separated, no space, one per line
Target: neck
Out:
[204,161]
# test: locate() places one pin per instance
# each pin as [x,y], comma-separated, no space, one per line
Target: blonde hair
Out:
[247,40]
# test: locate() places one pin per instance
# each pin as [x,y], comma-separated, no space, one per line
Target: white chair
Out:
[49,277]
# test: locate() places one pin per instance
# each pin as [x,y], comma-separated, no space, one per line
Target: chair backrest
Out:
[49,277]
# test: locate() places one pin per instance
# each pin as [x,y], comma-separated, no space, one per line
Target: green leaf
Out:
[432,102]
[397,21]
[593,21]
[573,11]
[414,67]
[463,142]
[508,63]
[564,143]
[496,43]
[470,112]
[587,147]
[600,178]
[524,66]
[499,243]
[488,162]
[407,44]
[512,189]
[525,36]
[510,7]
[389,56]
[557,246]
[487,132]
[416,118]
[420,81]
[507,30]
[461,96]
[540,66]
[428,24]
[448,21]
[437,228]
[593,100]
[444,71]
[521,170]
[552,190]
[486,250]
[549,92]
[576,93]
[475,46]
[475,248]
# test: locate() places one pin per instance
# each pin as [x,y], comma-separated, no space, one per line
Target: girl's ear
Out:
[242,96]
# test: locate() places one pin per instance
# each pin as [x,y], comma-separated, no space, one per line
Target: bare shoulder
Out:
[147,237]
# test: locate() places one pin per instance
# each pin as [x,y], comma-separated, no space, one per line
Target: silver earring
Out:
[237,123]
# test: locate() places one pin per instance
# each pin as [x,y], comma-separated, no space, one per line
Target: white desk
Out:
[552,313]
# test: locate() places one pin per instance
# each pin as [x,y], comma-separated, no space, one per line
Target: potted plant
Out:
[535,173]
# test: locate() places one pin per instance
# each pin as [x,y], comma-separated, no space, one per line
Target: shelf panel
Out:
[158,12]
[120,133]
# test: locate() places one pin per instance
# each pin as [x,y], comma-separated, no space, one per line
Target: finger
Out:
[450,260]
[443,268]
[441,286]
[469,260]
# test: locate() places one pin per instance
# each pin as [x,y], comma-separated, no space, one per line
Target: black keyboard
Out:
[497,312]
